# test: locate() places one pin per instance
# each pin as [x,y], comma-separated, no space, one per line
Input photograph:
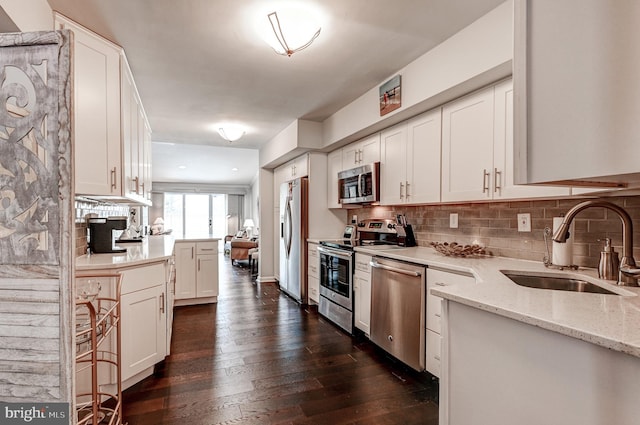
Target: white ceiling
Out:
[198,63]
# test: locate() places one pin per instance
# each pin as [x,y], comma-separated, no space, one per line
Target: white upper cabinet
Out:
[112,135]
[576,67]
[410,161]
[393,148]
[292,170]
[136,141]
[362,152]
[503,184]
[96,109]
[334,166]
[423,158]
[467,147]
[478,149]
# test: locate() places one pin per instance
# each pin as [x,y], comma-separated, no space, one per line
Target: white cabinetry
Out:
[362,289]
[313,272]
[334,166]
[293,169]
[477,149]
[96,109]
[467,147]
[410,161]
[434,314]
[362,152]
[144,320]
[136,140]
[576,82]
[112,136]
[206,269]
[196,272]
[503,184]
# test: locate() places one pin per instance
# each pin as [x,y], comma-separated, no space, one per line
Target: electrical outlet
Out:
[453,220]
[524,222]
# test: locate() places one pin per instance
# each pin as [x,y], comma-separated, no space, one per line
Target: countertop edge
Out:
[541,323]
[495,293]
[132,263]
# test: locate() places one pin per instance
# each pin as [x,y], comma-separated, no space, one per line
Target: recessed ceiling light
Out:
[182,167]
[234,169]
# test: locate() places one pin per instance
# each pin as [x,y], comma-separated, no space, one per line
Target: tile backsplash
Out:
[494,225]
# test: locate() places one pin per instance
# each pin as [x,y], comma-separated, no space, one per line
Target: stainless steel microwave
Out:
[360,185]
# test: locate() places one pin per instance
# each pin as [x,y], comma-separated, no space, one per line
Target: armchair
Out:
[240,249]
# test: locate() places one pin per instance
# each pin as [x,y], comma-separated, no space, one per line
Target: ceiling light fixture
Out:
[297,33]
[230,134]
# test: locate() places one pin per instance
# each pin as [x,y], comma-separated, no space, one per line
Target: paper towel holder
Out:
[546,260]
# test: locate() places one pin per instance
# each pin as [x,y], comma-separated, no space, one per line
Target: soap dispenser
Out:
[609,263]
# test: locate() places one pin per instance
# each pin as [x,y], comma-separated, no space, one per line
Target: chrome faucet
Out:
[629,273]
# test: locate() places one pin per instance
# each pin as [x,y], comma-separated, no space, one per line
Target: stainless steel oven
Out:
[360,185]
[336,285]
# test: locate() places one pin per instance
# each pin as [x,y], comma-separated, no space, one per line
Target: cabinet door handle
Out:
[206,249]
[437,314]
[440,284]
[407,189]
[198,264]
[141,186]
[437,357]
[192,252]
[496,180]
[355,156]
[113,178]
[162,303]
[401,187]
[360,152]
[136,185]
[485,181]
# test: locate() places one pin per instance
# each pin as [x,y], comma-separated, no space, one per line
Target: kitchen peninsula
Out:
[148,289]
[577,354]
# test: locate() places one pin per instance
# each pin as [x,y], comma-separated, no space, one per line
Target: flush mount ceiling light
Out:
[230,134]
[297,25]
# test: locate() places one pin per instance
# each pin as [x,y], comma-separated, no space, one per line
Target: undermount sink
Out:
[554,281]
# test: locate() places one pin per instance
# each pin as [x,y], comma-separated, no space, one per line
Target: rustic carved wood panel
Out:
[36,220]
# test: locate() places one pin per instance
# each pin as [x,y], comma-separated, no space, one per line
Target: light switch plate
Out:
[524,222]
[453,220]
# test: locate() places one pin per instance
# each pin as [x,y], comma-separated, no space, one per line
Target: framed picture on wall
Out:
[390,95]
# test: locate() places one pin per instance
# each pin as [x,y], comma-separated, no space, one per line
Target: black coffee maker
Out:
[103,233]
[404,231]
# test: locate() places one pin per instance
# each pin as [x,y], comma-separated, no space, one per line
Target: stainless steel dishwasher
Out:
[398,309]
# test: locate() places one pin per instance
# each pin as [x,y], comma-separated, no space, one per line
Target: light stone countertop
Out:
[611,321]
[151,250]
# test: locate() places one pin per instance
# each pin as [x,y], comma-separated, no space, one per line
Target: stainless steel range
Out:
[336,267]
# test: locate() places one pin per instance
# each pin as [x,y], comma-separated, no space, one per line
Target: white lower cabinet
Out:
[313,273]
[196,272]
[362,289]
[437,278]
[144,319]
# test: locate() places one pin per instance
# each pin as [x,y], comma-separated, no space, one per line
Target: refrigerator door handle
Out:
[288,219]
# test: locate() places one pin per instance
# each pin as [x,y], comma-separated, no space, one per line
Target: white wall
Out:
[477,55]
[299,137]
[29,15]
[254,197]
[266,270]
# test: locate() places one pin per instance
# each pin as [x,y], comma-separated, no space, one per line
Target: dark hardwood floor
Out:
[257,357]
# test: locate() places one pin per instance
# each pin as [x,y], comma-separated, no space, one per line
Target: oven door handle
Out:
[334,253]
[394,269]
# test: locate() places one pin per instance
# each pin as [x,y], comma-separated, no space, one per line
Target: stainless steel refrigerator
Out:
[293,239]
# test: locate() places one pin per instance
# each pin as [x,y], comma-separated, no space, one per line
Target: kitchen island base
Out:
[500,371]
